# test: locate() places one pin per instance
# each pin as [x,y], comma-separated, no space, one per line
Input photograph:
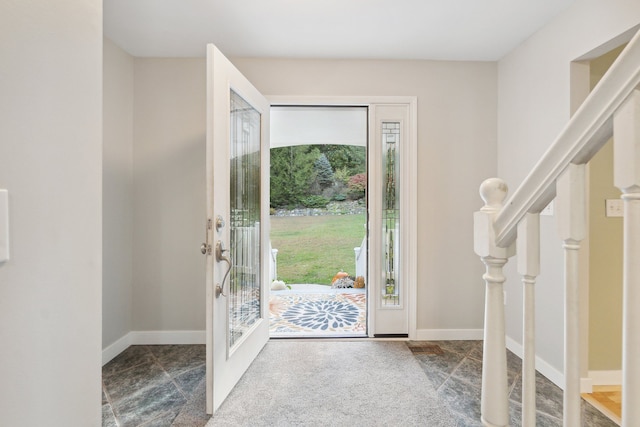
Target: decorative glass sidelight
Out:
[390,214]
[244,286]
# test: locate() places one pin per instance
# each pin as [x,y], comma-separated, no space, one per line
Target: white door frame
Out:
[410,174]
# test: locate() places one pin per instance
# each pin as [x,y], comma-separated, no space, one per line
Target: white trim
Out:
[115,348]
[411,171]
[448,334]
[589,128]
[606,377]
[151,338]
[355,101]
[586,385]
[542,366]
[413,217]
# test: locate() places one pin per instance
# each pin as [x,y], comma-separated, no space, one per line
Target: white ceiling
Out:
[381,29]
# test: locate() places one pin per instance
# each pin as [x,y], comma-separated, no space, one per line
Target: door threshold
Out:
[344,339]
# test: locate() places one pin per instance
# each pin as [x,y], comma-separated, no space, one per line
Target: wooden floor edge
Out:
[600,407]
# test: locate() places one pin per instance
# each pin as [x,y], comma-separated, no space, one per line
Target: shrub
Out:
[339,197]
[315,202]
[357,185]
[342,175]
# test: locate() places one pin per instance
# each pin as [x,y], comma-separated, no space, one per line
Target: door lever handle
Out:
[220,250]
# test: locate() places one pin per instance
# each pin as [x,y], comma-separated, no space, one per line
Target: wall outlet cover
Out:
[614,208]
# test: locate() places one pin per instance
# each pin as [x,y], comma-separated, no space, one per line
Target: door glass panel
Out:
[244,285]
[390,214]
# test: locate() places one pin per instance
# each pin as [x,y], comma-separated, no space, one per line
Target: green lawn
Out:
[312,249]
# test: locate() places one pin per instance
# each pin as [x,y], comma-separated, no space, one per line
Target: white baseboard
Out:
[542,366]
[606,377]
[586,385]
[448,334]
[116,348]
[151,338]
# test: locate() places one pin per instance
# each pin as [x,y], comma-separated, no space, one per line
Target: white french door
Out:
[237,225]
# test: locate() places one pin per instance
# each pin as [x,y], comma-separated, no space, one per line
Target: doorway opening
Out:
[318,239]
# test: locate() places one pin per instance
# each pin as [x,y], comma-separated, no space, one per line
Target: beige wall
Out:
[605,252]
[117,193]
[169,194]
[534,105]
[605,267]
[51,163]
[456,149]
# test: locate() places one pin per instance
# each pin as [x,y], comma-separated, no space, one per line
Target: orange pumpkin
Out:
[359,282]
[339,275]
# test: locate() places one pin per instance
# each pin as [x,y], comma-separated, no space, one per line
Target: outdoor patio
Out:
[317,311]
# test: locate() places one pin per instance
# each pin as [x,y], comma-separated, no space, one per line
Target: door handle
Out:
[220,250]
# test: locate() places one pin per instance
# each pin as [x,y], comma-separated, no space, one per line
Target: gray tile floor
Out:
[155,386]
[455,370]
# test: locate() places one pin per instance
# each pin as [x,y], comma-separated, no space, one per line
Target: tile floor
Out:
[455,370]
[155,386]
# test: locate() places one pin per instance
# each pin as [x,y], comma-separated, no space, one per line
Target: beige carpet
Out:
[333,383]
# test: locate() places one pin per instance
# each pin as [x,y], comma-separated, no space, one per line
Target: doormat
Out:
[312,315]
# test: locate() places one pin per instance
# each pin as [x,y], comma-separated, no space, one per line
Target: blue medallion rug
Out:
[301,314]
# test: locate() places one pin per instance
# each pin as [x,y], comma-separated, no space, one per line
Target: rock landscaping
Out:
[348,207]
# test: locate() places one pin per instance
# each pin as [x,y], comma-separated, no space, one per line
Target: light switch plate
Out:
[4,225]
[614,208]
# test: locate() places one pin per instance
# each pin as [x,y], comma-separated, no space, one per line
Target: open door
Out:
[237,225]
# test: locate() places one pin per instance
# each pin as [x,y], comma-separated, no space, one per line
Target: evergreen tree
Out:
[292,172]
[350,157]
[324,172]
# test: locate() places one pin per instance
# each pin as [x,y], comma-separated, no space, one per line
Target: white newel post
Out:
[495,403]
[528,249]
[571,208]
[626,127]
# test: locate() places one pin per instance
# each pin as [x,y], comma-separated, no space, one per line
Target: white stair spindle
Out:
[627,179]
[528,249]
[495,404]
[571,208]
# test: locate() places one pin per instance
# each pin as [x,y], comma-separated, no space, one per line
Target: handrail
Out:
[587,131]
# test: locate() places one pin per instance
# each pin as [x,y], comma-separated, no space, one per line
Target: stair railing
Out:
[503,228]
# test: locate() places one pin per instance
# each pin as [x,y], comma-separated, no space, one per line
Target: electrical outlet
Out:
[614,208]
[548,210]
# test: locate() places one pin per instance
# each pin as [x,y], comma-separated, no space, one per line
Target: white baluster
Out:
[627,179]
[571,208]
[528,249]
[495,403]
